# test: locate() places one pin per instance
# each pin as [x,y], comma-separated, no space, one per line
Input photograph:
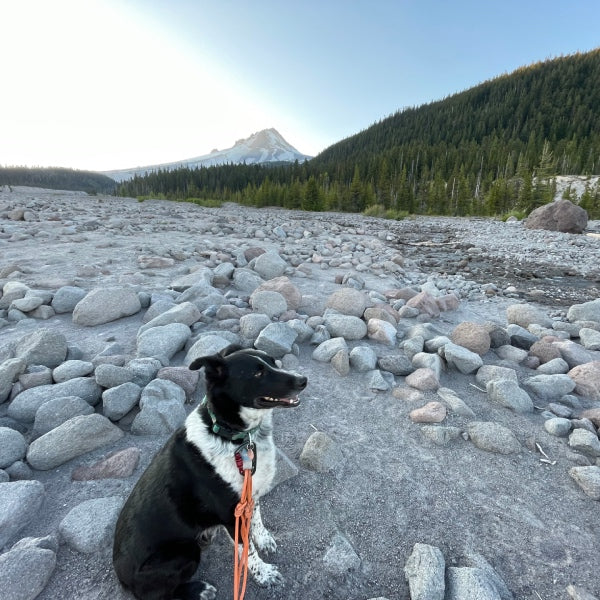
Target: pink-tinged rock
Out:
[119,465]
[447,302]
[593,414]
[587,379]
[155,262]
[400,294]
[286,288]
[382,331]
[432,412]
[253,252]
[424,303]
[472,336]
[423,379]
[183,377]
[407,394]
[349,301]
[545,351]
[384,312]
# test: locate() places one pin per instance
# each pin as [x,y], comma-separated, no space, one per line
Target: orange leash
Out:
[243,516]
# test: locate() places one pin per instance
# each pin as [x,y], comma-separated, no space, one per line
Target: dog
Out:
[193,484]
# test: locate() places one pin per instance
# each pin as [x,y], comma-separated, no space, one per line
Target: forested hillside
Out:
[57,179]
[485,151]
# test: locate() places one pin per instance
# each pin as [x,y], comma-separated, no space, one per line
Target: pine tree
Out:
[356,199]
[312,197]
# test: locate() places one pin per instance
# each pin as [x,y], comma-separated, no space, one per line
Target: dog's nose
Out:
[302,381]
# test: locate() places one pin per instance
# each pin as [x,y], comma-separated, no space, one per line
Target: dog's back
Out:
[175,500]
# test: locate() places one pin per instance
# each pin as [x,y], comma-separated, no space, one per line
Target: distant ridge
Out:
[266,146]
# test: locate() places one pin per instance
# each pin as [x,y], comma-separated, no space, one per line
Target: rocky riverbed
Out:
[446,446]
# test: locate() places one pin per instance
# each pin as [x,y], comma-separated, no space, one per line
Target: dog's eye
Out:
[259,373]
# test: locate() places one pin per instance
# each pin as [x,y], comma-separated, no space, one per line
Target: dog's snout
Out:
[301,382]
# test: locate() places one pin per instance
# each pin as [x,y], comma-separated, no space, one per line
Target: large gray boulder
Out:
[89,527]
[19,503]
[103,305]
[424,571]
[71,439]
[9,372]
[270,265]
[12,446]
[162,403]
[186,313]
[276,339]
[163,342]
[43,347]
[25,406]
[27,567]
[561,215]
[588,311]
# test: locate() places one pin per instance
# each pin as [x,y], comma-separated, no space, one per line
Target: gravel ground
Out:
[347,533]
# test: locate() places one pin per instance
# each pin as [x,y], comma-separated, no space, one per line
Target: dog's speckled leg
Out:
[261,537]
[265,574]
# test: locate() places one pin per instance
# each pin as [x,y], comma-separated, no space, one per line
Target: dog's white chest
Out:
[221,455]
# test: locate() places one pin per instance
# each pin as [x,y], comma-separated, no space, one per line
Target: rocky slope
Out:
[446,447]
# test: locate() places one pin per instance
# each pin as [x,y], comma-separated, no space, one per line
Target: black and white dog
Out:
[193,484]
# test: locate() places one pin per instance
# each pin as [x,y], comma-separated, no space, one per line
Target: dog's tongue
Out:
[292,400]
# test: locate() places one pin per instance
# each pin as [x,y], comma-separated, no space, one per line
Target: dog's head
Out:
[249,378]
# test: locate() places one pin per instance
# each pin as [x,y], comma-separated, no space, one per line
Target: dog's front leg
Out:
[261,537]
[264,574]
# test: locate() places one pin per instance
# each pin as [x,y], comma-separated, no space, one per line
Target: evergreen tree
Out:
[356,200]
[312,196]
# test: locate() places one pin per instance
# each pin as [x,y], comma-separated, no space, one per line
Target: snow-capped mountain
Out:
[263,147]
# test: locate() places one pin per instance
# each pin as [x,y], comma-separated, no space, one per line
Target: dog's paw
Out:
[264,541]
[267,575]
[209,592]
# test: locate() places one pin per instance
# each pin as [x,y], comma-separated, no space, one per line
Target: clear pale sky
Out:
[106,84]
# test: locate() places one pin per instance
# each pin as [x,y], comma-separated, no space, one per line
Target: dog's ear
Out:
[215,367]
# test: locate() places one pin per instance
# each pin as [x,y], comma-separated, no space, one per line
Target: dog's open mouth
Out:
[269,402]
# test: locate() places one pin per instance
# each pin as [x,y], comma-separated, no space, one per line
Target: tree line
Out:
[57,178]
[489,150]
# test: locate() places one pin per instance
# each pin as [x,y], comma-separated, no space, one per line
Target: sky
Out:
[110,84]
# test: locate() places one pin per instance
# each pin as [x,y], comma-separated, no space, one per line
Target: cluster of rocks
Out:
[430,579]
[60,400]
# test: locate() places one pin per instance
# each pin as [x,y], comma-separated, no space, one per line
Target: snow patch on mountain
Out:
[266,146]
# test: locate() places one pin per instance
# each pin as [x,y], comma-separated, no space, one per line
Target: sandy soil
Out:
[393,487]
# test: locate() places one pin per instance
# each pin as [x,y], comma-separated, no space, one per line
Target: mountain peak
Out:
[264,146]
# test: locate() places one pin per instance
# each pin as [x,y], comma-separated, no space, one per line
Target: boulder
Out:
[27,567]
[587,379]
[588,311]
[321,453]
[89,527]
[56,411]
[346,326]
[349,301]
[424,571]
[12,447]
[71,439]
[561,215]
[276,339]
[473,336]
[19,504]
[42,347]
[103,305]
[270,265]
[25,406]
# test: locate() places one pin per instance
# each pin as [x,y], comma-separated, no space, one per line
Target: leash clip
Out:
[245,457]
